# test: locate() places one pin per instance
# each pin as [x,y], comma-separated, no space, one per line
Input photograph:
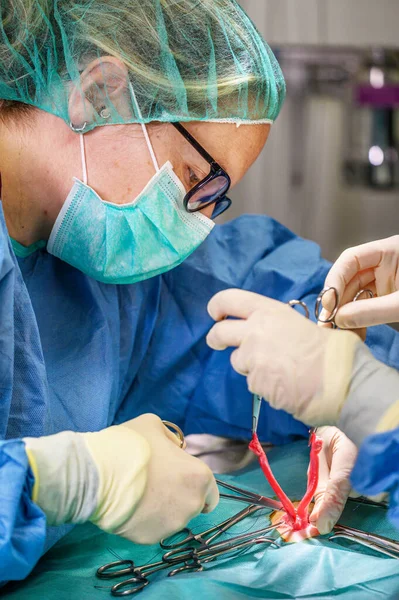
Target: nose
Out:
[208,210]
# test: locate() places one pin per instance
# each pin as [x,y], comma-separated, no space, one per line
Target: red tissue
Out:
[296,517]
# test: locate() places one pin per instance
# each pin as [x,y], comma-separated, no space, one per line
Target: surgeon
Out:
[122,127]
[322,376]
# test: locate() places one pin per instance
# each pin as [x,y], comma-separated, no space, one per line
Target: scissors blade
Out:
[261,502]
[256,404]
[247,496]
[363,501]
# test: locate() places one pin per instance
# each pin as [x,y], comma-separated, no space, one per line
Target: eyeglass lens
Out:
[206,194]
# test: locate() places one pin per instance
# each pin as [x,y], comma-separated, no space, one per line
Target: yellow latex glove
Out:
[132,480]
[289,361]
[336,461]
[373,266]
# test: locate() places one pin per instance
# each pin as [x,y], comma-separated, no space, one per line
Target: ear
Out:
[102,85]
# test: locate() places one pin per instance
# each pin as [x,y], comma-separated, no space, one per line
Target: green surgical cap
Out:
[182,60]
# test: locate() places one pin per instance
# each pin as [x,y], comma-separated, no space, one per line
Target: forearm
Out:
[66,478]
[98,477]
[372,404]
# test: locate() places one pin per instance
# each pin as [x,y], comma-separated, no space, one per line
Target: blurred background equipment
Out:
[330,170]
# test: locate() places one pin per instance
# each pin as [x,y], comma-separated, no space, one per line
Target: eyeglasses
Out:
[210,190]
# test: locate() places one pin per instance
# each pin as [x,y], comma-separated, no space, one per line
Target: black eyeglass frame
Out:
[215,171]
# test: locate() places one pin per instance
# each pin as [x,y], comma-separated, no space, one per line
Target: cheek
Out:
[179,170]
[208,211]
[119,183]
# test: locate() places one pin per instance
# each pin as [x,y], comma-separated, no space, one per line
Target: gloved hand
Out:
[293,364]
[374,266]
[337,459]
[132,480]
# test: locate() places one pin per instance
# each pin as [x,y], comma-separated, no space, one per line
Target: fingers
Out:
[238,303]
[361,281]
[212,497]
[329,508]
[239,361]
[361,333]
[226,333]
[324,474]
[329,303]
[336,462]
[372,311]
[353,261]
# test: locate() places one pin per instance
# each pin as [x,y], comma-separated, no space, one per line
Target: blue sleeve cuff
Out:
[22,523]
[377,469]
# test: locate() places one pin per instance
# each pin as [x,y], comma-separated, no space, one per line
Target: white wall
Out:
[323,208]
[309,140]
[332,22]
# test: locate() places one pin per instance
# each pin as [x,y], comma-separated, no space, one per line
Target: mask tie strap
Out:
[144,128]
[83,158]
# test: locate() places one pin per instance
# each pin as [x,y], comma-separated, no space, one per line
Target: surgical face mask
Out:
[130,242]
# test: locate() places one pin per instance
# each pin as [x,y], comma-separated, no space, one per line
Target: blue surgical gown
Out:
[80,355]
[377,469]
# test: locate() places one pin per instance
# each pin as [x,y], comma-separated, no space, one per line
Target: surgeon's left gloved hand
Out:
[336,461]
[289,361]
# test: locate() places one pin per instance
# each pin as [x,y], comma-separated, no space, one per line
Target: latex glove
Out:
[295,365]
[132,479]
[337,459]
[374,266]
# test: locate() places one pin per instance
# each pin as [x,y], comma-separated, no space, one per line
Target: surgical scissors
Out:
[370,540]
[333,314]
[319,306]
[249,497]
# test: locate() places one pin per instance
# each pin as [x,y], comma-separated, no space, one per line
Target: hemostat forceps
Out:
[205,552]
[199,558]
[184,556]
[370,540]
[187,560]
[249,497]
[186,536]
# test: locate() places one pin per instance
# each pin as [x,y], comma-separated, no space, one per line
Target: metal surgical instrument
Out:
[194,563]
[186,553]
[363,501]
[209,535]
[249,497]
[333,314]
[134,584]
[176,430]
[319,305]
[256,404]
[179,560]
[370,540]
